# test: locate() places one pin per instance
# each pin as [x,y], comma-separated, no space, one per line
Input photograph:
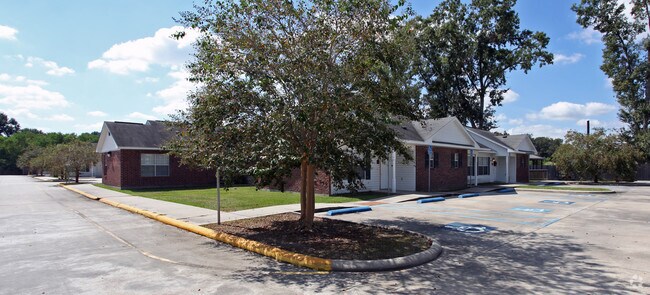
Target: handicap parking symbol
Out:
[557,202]
[469,228]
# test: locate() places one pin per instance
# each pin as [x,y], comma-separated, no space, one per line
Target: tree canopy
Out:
[596,156]
[625,58]
[8,126]
[546,146]
[466,51]
[297,84]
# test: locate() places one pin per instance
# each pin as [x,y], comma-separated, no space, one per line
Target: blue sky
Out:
[70,65]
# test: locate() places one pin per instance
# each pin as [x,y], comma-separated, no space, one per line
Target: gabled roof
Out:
[513,141]
[489,136]
[150,135]
[406,131]
[438,132]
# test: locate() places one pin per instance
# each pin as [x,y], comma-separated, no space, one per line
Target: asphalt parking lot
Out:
[537,242]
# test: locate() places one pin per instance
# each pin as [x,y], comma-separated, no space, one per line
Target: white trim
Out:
[422,143]
[492,141]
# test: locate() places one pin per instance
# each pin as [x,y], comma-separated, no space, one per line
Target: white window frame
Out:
[158,162]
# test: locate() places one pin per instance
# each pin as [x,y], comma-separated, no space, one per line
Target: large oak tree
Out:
[467,50]
[301,84]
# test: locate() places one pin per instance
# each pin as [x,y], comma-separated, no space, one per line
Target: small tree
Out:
[594,156]
[301,84]
[546,146]
[79,155]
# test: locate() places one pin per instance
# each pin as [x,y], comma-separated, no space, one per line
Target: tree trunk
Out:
[595,178]
[76,176]
[303,187]
[310,200]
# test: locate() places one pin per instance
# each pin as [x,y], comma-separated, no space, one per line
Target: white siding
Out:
[452,133]
[405,172]
[371,184]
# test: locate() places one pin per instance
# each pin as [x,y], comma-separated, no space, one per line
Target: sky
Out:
[68,66]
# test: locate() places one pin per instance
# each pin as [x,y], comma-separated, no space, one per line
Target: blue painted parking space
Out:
[532,210]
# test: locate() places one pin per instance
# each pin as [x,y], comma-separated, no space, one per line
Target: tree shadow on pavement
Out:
[503,262]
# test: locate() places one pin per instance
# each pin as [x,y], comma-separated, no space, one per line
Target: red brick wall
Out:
[124,171]
[321,186]
[444,177]
[112,169]
[522,168]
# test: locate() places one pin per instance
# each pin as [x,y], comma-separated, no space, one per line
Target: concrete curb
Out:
[389,264]
[561,191]
[279,254]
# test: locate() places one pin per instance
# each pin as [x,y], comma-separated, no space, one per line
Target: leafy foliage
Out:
[32,142]
[546,146]
[597,155]
[8,126]
[467,49]
[625,59]
[288,84]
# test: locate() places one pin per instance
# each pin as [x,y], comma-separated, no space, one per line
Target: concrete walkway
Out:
[192,214]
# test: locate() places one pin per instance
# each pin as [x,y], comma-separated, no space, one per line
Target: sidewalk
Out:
[192,214]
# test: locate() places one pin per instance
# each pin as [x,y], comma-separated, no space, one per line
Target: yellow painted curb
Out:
[85,194]
[246,244]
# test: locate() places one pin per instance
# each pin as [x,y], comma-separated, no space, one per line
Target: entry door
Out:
[385,179]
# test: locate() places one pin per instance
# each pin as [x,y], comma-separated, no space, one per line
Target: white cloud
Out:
[53,68]
[30,97]
[8,33]
[510,96]
[515,121]
[567,59]
[147,80]
[538,130]
[588,36]
[137,55]
[175,96]
[4,77]
[592,123]
[572,111]
[500,117]
[89,127]
[60,118]
[138,115]
[97,114]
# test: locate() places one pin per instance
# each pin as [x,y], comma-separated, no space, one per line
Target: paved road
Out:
[53,241]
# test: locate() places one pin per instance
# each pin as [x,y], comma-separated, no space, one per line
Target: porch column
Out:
[475,168]
[507,167]
[394,180]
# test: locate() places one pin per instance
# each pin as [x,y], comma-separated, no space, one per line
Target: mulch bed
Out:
[332,239]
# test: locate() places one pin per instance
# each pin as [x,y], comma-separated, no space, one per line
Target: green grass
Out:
[237,198]
[565,188]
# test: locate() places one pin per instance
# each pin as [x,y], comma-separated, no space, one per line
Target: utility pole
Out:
[587,127]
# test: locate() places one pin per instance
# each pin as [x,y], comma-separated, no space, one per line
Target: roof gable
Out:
[127,135]
[444,131]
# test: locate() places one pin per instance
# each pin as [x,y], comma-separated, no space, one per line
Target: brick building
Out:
[132,157]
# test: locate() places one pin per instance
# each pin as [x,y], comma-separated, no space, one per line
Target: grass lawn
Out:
[565,188]
[237,198]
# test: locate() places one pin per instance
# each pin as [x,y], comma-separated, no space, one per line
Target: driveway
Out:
[53,241]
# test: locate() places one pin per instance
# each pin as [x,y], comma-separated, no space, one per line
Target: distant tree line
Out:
[33,151]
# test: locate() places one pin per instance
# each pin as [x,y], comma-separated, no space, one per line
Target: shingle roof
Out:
[513,141]
[152,134]
[489,135]
[406,131]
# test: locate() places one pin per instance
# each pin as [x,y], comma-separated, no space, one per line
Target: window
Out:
[154,165]
[456,162]
[363,172]
[431,162]
[483,165]
[436,161]
[522,162]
